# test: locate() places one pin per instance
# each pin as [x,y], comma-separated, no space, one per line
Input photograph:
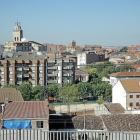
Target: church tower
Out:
[17,32]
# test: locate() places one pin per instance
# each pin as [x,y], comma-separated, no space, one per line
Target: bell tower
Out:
[17,32]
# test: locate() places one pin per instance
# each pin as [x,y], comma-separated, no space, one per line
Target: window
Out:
[131,96]
[137,96]
[39,124]
[137,104]
[131,104]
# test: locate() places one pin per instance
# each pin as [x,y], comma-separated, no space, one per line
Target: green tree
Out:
[53,90]
[124,49]
[100,100]
[84,89]
[9,86]
[37,93]
[69,94]
[85,102]
[26,91]
[92,73]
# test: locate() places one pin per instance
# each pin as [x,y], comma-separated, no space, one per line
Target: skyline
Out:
[107,23]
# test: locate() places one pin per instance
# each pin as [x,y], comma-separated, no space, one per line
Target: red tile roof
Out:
[131,85]
[26,110]
[11,93]
[120,74]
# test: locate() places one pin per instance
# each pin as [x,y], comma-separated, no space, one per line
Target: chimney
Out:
[27,53]
[6,100]
[139,83]
[35,55]
[17,55]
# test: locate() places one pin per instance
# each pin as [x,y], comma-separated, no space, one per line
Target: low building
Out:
[109,108]
[8,94]
[81,75]
[127,93]
[26,114]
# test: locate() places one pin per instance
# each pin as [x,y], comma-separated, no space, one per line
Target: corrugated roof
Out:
[131,85]
[120,74]
[114,108]
[26,110]
[11,93]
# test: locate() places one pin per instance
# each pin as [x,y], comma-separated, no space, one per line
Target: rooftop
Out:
[11,93]
[114,108]
[131,85]
[123,74]
[26,110]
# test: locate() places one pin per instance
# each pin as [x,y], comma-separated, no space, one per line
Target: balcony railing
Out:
[42,134]
[52,81]
[26,68]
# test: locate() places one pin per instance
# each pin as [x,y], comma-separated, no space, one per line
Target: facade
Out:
[88,57]
[29,114]
[92,47]
[81,75]
[37,46]
[17,32]
[127,93]
[114,77]
[36,69]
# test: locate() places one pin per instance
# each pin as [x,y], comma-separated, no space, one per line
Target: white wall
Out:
[113,80]
[81,59]
[119,94]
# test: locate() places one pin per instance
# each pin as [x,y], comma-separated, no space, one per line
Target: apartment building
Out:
[36,69]
[85,58]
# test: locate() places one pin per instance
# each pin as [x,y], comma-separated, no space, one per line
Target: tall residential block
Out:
[35,68]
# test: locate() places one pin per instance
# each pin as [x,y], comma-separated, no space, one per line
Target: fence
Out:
[40,134]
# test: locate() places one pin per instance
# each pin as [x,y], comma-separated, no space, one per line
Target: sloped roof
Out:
[11,93]
[122,122]
[91,122]
[75,122]
[26,110]
[131,85]
[114,108]
[120,74]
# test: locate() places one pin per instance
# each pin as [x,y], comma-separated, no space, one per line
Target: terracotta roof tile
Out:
[121,74]
[11,93]
[26,109]
[122,122]
[114,108]
[131,85]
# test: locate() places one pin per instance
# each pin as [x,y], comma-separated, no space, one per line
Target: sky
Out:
[103,22]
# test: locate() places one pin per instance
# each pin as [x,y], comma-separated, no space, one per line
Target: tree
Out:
[69,94]
[84,89]
[92,73]
[124,49]
[26,91]
[9,86]
[100,100]
[53,90]
[85,102]
[37,93]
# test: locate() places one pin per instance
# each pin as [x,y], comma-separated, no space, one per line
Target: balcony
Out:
[26,75]
[65,74]
[19,82]
[52,81]
[52,68]
[2,72]
[52,74]
[19,69]
[26,68]
[19,75]
[67,67]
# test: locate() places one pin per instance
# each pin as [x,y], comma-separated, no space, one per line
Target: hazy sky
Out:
[105,22]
